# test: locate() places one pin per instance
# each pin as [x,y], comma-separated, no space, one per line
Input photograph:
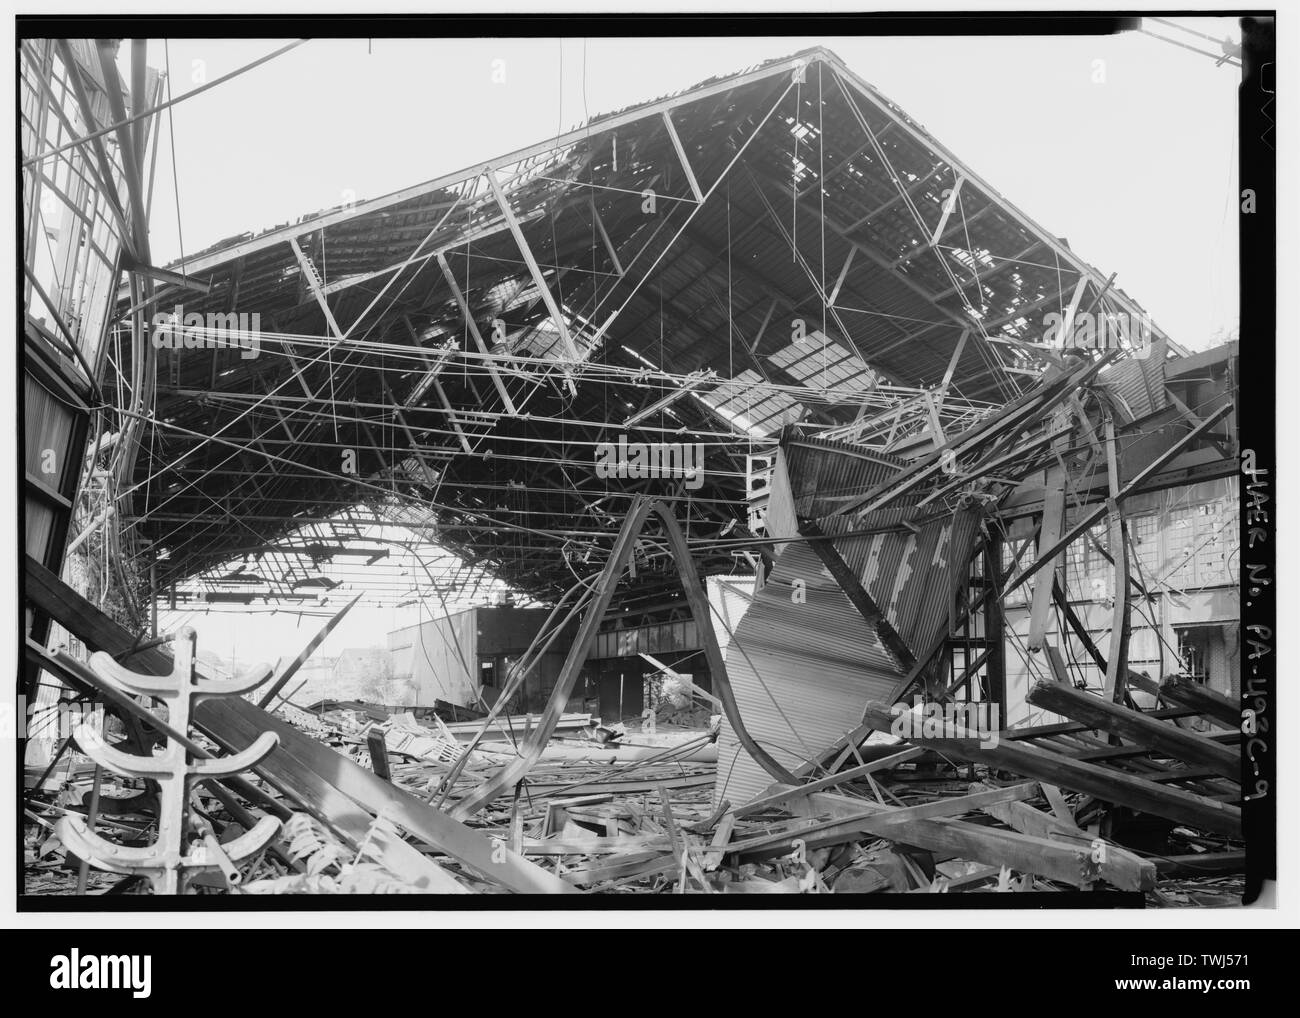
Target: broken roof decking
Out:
[696,286]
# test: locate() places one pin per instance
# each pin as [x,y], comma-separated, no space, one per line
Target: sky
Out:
[1136,170]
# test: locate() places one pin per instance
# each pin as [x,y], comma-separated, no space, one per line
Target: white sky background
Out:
[1138,173]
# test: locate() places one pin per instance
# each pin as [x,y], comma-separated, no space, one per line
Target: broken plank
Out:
[378,754]
[1026,819]
[596,845]
[721,836]
[1207,702]
[1059,806]
[636,866]
[1119,866]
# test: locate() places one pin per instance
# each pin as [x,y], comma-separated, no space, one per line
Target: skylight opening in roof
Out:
[741,423]
[736,401]
[542,340]
[820,363]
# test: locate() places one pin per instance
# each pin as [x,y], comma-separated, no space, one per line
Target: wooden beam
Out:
[165,275]
[1120,867]
[1068,861]
[1109,785]
[1158,736]
[1201,699]
[1053,524]
[1027,732]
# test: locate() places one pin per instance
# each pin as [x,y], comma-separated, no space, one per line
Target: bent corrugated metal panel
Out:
[824,474]
[801,672]
[1140,382]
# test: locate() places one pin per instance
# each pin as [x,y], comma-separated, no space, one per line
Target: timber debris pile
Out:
[1054,809]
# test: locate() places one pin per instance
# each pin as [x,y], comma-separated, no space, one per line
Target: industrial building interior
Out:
[779,507]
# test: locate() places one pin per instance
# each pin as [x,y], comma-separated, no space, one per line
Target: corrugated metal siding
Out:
[801,673]
[427,656]
[824,474]
[729,597]
[781,520]
[909,574]
[1140,382]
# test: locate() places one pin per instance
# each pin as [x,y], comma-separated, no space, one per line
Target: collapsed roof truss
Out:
[507,318]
